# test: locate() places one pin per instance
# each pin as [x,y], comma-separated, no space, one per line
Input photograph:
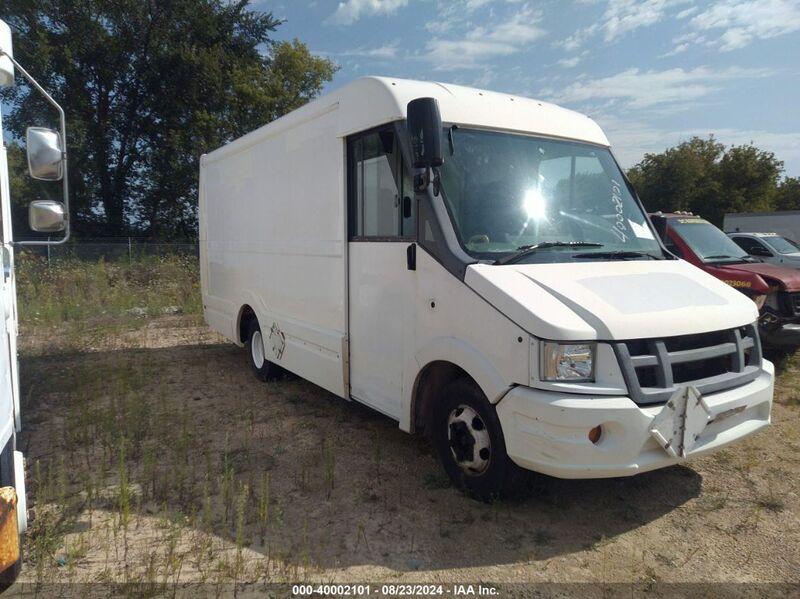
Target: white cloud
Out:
[679,49]
[569,63]
[520,29]
[645,89]
[483,43]
[633,139]
[472,5]
[350,11]
[743,21]
[386,51]
[577,39]
[622,16]
[451,55]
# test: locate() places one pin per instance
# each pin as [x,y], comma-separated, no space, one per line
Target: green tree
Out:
[787,196]
[748,182]
[680,178]
[148,86]
[702,176]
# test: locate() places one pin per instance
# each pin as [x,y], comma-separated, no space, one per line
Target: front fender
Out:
[457,352]
[468,358]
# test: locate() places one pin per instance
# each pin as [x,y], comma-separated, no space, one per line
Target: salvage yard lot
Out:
[154,456]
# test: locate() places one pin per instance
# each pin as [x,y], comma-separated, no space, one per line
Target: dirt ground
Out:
[154,456]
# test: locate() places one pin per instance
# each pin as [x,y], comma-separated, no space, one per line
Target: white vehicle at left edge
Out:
[47,161]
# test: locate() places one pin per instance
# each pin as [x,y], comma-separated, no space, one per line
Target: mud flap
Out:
[679,423]
[9,532]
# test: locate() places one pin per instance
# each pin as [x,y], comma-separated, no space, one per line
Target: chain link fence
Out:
[110,249]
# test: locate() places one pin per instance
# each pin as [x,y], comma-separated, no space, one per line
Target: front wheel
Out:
[262,368]
[469,440]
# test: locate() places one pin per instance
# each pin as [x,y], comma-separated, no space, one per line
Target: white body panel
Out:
[584,301]
[6,387]
[359,323]
[272,237]
[10,418]
[6,66]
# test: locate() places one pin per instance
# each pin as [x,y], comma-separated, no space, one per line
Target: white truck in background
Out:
[784,222]
[475,266]
[47,161]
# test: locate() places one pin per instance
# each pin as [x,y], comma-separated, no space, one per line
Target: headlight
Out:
[568,361]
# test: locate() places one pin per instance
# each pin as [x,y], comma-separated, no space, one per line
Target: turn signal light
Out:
[595,434]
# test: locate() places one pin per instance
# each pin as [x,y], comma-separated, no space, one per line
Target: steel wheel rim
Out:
[257,349]
[469,440]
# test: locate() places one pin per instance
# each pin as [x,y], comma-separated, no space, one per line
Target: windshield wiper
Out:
[617,255]
[725,257]
[525,250]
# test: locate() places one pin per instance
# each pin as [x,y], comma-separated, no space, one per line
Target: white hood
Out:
[622,299]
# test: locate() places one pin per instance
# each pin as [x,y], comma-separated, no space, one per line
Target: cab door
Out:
[381,279]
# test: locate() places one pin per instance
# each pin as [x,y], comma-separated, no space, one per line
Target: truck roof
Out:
[753,234]
[371,101]
[773,213]
[670,215]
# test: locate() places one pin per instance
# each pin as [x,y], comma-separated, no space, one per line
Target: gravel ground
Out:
[155,457]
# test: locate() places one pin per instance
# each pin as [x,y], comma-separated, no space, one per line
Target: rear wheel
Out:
[469,440]
[263,368]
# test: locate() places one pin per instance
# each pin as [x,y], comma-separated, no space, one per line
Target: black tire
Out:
[265,370]
[463,422]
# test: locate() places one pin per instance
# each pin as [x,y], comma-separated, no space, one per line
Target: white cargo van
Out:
[47,161]
[475,266]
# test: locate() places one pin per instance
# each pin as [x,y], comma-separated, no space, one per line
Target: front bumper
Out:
[548,432]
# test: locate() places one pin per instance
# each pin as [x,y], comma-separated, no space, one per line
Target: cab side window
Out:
[380,196]
[752,246]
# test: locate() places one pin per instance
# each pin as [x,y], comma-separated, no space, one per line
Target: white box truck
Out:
[476,266]
[784,222]
[47,161]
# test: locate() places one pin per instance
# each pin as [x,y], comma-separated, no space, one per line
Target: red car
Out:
[774,289]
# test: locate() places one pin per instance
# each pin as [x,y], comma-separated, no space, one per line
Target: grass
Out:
[78,291]
[156,467]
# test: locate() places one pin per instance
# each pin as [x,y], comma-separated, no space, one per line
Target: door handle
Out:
[411,256]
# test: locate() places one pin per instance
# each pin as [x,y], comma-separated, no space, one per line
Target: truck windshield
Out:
[782,245]
[506,192]
[707,241]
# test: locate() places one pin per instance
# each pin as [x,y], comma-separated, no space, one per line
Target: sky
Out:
[652,73]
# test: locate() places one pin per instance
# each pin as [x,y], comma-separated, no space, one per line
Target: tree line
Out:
[147,87]
[707,178]
[150,85]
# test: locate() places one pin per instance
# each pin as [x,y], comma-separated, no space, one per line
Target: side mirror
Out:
[47,216]
[45,154]
[425,129]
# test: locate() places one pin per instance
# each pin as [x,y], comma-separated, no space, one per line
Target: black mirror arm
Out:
[437,182]
[427,176]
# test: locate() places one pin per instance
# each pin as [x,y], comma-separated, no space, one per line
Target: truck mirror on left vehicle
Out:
[425,129]
[45,154]
[47,216]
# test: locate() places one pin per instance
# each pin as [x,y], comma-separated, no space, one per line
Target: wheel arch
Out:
[441,362]
[243,319]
